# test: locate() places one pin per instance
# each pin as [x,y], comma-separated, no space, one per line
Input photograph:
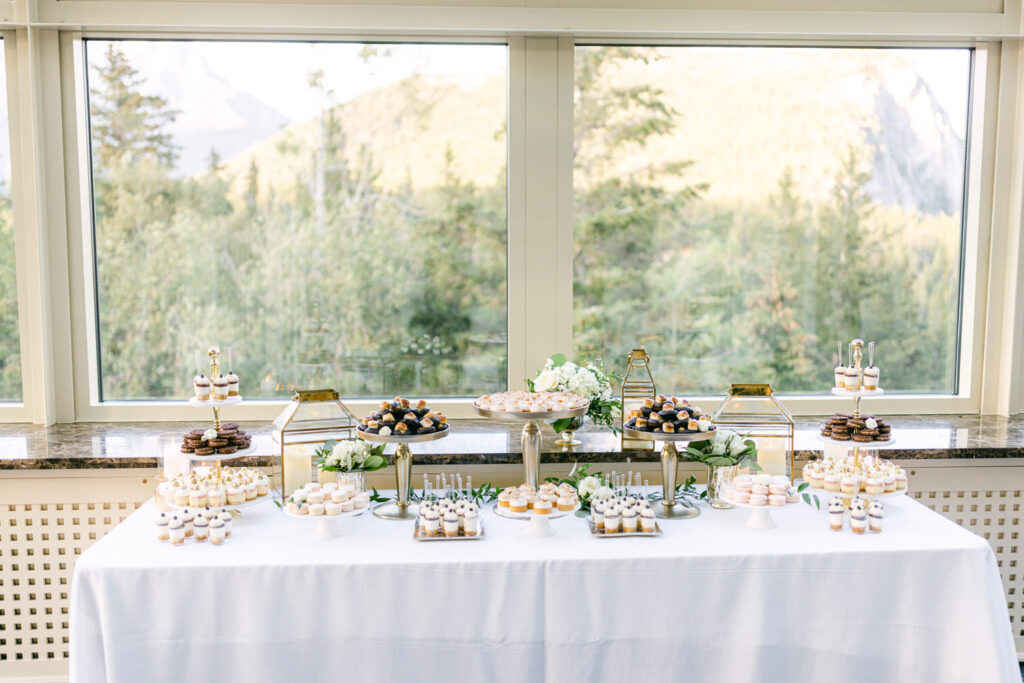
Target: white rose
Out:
[546,381]
[209,434]
[604,493]
[589,485]
[718,448]
[737,446]
[871,423]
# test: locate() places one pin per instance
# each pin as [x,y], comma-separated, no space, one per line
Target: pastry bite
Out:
[858,517]
[162,531]
[647,520]
[777,499]
[201,527]
[232,380]
[202,386]
[542,507]
[176,530]
[611,521]
[451,524]
[836,513]
[876,513]
[316,509]
[217,531]
[470,521]
[629,520]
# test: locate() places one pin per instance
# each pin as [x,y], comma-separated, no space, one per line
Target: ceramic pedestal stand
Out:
[668,507]
[401,508]
[531,435]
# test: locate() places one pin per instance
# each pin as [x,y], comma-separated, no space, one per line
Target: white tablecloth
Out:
[711,600]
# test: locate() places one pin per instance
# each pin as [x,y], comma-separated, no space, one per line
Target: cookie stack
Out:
[230,438]
[863,429]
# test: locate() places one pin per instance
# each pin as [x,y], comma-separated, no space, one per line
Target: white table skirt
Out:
[711,600]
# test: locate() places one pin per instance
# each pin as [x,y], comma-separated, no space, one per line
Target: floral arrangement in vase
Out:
[350,455]
[725,449]
[589,381]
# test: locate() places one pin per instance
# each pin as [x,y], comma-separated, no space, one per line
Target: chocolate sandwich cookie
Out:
[884,429]
[862,438]
[868,432]
[229,425]
[218,443]
[825,432]
[840,429]
[844,436]
[227,450]
[857,422]
[185,448]
[883,437]
[204,450]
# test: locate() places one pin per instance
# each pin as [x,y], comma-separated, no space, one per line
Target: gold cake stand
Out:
[668,507]
[531,434]
[401,508]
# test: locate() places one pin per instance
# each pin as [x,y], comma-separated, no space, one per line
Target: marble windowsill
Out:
[134,445]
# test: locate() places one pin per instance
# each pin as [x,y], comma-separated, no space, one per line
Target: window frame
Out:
[539,167]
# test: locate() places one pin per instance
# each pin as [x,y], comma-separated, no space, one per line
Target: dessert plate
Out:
[623,534]
[555,512]
[421,535]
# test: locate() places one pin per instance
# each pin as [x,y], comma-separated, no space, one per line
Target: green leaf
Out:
[529,383]
[374,462]
[561,425]
[807,498]
[558,360]
[802,487]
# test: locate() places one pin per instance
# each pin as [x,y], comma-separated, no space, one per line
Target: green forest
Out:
[337,278]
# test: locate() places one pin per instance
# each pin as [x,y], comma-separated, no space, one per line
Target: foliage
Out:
[725,449]
[589,381]
[350,455]
[585,483]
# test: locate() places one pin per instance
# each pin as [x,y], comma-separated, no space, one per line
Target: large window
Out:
[10,344]
[333,212]
[739,210]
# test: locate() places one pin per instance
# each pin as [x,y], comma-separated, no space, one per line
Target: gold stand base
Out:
[568,439]
[675,510]
[393,510]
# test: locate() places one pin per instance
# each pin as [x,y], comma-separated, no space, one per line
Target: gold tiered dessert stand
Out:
[669,507]
[401,508]
[214,354]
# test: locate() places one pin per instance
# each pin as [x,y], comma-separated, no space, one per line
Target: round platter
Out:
[854,394]
[246,504]
[317,518]
[210,403]
[662,436]
[221,456]
[863,445]
[518,415]
[413,438]
[766,507]
[528,515]
[823,494]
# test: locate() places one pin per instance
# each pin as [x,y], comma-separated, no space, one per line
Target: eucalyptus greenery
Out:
[328,462]
[481,496]
[724,449]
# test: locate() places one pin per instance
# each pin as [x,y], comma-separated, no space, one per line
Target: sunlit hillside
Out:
[741,126]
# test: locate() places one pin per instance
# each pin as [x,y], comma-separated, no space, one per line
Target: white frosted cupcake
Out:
[597,508]
[201,525]
[611,521]
[431,523]
[250,491]
[236,495]
[262,485]
[216,497]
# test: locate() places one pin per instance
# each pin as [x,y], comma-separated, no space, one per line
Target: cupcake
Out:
[505,496]
[832,482]
[236,496]
[217,497]
[176,530]
[162,533]
[217,531]
[517,504]
[262,485]
[849,485]
[197,498]
[202,387]
[181,496]
[451,524]
[232,379]
[874,486]
[566,503]
[542,507]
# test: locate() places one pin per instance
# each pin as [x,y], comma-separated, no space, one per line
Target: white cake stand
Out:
[761,515]
[531,434]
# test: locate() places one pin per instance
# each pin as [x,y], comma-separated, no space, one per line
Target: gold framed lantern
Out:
[752,409]
[637,384]
[310,419]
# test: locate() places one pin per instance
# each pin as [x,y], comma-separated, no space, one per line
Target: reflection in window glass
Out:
[739,210]
[10,344]
[308,205]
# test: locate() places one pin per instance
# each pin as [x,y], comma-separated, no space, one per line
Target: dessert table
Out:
[710,600]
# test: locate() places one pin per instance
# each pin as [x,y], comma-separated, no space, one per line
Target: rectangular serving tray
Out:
[417,536]
[645,534]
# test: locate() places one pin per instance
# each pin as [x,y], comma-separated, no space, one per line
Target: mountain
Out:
[740,121]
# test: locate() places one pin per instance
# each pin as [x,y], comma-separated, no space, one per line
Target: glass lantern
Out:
[637,384]
[310,419]
[752,409]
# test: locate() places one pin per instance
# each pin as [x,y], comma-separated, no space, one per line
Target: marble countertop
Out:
[136,444]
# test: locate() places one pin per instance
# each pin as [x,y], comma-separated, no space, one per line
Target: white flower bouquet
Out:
[589,381]
[725,449]
[350,455]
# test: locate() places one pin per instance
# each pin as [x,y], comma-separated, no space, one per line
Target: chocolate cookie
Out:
[204,450]
[841,437]
[862,438]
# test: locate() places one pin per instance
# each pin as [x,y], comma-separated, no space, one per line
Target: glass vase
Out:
[567,437]
[718,477]
[354,479]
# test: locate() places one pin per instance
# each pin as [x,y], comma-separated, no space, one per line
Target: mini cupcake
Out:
[217,531]
[876,513]
[647,520]
[181,496]
[858,517]
[517,504]
[201,526]
[226,517]
[197,498]
[431,523]
[176,530]
[849,485]
[629,521]
[542,507]
[162,533]
[566,503]
[236,495]
[451,524]
[852,379]
[262,485]
[232,380]
[871,376]
[471,522]
[832,482]
[874,486]
[611,521]
[202,387]
[217,497]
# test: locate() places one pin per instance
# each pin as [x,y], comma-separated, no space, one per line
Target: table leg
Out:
[401,508]
[667,507]
[531,453]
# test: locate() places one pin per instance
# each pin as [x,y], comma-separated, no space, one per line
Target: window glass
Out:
[10,343]
[333,212]
[739,210]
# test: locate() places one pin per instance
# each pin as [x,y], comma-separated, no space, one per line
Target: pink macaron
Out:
[758,499]
[777,499]
[759,489]
[742,497]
